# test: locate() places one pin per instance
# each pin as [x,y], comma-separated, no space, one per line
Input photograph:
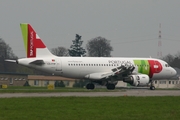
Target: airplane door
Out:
[58,65]
[157,66]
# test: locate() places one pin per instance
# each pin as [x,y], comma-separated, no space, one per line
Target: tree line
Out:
[96,47]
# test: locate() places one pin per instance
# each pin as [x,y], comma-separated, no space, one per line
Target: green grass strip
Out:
[90,108]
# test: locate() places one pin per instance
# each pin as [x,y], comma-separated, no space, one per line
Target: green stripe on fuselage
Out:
[143,66]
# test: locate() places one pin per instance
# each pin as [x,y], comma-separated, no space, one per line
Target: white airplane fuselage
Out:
[79,67]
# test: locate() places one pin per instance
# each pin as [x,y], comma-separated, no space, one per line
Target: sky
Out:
[132,26]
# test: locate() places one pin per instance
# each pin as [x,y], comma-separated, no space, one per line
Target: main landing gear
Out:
[152,87]
[90,86]
[110,86]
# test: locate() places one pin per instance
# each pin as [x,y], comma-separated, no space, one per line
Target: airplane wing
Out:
[121,71]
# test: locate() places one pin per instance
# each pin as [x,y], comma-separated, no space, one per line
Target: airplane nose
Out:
[174,72]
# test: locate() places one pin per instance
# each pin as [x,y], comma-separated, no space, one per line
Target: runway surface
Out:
[96,94]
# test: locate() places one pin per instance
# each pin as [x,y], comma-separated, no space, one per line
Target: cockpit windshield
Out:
[166,65]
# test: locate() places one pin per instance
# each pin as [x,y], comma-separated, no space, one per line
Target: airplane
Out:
[105,71]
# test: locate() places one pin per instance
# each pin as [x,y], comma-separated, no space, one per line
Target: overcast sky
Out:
[131,25]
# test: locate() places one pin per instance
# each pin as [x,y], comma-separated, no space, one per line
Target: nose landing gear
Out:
[152,87]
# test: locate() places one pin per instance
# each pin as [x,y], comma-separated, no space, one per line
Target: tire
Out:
[152,88]
[110,86]
[90,86]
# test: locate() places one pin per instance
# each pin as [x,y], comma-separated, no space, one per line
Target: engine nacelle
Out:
[137,80]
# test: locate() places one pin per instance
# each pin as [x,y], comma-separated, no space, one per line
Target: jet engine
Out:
[137,80]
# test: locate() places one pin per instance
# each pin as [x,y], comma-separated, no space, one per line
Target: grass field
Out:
[90,108]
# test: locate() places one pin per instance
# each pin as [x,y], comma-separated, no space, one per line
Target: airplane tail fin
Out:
[34,46]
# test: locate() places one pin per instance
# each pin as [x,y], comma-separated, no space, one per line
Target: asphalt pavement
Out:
[133,92]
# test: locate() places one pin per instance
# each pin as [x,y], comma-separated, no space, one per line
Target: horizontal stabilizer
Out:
[11,61]
[37,62]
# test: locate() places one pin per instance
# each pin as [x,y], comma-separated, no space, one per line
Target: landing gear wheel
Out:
[90,86]
[152,85]
[152,88]
[110,86]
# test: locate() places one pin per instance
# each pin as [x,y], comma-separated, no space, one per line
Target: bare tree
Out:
[169,58]
[99,47]
[60,51]
[6,51]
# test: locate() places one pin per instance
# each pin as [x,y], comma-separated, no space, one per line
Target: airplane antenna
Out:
[159,52]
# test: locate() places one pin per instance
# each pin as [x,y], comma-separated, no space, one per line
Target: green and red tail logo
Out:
[148,67]
[31,40]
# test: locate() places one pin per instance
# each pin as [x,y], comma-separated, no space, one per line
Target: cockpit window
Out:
[166,65]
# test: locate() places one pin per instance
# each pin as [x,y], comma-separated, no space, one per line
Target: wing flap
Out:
[125,69]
